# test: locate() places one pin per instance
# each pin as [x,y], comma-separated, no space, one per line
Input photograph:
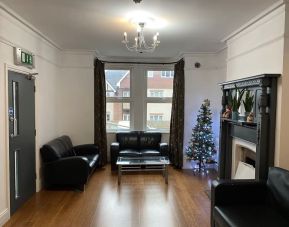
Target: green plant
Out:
[249,101]
[235,100]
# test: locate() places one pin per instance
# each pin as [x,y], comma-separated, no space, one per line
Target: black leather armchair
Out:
[246,203]
[137,144]
[68,165]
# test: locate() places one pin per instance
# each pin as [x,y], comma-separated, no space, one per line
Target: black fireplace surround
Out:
[261,132]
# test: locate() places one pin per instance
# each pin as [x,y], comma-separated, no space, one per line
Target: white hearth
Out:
[243,158]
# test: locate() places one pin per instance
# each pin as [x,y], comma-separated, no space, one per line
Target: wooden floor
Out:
[142,199]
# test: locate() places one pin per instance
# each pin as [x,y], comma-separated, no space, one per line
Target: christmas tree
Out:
[201,146]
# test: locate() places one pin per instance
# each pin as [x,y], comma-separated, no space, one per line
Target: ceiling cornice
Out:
[28,25]
[254,20]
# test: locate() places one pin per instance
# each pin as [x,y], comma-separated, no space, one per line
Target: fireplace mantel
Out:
[261,132]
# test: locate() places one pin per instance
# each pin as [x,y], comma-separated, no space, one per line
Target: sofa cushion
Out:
[150,140]
[150,152]
[249,216]
[54,150]
[66,141]
[129,153]
[127,140]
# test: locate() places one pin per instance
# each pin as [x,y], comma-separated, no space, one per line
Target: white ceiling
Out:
[191,25]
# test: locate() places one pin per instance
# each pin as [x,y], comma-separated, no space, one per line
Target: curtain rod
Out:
[139,63]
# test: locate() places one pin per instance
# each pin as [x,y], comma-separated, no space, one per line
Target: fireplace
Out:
[243,159]
[246,150]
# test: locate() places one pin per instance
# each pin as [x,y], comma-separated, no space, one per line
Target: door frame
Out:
[24,71]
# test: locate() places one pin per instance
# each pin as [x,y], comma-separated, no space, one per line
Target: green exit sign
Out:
[24,58]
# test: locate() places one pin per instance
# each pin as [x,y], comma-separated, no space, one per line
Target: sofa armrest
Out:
[236,192]
[71,171]
[114,152]
[86,149]
[227,192]
[164,149]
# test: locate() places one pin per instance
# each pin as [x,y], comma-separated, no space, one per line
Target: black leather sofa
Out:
[245,203]
[68,165]
[137,144]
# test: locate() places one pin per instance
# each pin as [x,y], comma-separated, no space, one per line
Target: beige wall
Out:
[260,48]
[75,103]
[14,33]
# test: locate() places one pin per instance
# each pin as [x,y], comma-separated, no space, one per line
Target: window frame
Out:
[155,99]
[138,99]
[129,100]
[170,76]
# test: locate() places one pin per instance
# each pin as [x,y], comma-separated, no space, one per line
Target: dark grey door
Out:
[21,139]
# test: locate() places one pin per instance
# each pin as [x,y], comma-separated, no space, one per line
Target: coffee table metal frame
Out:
[140,164]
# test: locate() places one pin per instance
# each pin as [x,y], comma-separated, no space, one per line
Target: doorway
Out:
[21,108]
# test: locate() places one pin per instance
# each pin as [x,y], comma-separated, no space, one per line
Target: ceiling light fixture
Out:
[137,1]
[140,45]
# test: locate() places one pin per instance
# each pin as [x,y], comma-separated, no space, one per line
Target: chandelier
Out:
[140,45]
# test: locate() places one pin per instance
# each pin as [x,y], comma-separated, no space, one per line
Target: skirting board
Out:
[4,217]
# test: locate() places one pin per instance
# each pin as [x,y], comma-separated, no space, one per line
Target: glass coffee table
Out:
[139,164]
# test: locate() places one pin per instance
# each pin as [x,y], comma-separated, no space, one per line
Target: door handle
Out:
[16,173]
[14,116]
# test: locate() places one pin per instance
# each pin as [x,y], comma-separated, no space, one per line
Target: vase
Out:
[235,115]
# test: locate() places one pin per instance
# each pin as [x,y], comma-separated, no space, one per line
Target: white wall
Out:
[257,49]
[262,47]
[75,97]
[14,33]
[202,83]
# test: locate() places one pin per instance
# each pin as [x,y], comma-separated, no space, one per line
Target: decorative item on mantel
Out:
[228,112]
[235,102]
[250,118]
[201,146]
[248,103]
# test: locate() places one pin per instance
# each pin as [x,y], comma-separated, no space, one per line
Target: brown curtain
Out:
[100,110]
[177,116]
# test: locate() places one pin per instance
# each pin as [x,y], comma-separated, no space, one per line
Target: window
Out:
[159,116]
[156,117]
[167,74]
[107,116]
[156,93]
[118,99]
[125,94]
[158,86]
[117,83]
[125,117]
[159,100]
[138,97]
[150,74]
